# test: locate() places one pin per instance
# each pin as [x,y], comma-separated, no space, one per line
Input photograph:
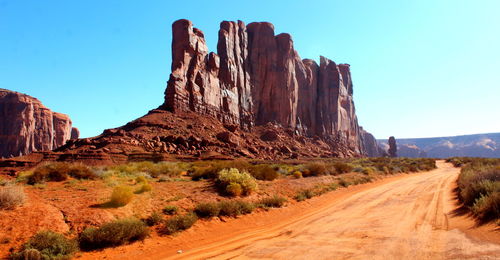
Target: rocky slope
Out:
[479,145]
[26,125]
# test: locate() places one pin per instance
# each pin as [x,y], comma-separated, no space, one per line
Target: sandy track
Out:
[404,219]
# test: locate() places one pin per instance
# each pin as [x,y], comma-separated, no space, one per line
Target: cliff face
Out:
[26,125]
[256,78]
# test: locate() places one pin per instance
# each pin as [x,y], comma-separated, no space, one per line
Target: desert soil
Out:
[403,217]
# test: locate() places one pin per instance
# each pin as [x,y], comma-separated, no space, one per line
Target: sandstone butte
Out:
[26,125]
[257,77]
[254,98]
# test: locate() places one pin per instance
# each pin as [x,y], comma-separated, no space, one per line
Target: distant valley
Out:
[477,145]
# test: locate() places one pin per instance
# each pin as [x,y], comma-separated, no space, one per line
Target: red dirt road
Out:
[404,217]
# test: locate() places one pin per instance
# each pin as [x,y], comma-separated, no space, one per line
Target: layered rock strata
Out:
[26,125]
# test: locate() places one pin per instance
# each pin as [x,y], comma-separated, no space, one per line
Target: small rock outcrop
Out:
[393,148]
[257,77]
[26,125]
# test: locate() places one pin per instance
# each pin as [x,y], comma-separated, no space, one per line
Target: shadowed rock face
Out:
[26,125]
[256,78]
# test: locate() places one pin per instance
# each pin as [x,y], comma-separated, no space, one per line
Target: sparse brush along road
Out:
[404,217]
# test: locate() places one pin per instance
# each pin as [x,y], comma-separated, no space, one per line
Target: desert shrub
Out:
[304,195]
[341,167]
[227,177]
[59,171]
[27,254]
[170,209]
[233,208]
[297,174]
[47,245]
[314,169]
[112,234]
[49,172]
[264,172]
[121,196]
[81,171]
[207,210]
[234,189]
[154,219]
[344,183]
[487,207]
[11,196]
[146,187]
[170,169]
[361,180]
[210,170]
[141,179]
[178,223]
[368,170]
[272,202]
[479,187]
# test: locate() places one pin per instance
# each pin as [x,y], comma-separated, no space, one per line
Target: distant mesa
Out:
[477,145]
[28,126]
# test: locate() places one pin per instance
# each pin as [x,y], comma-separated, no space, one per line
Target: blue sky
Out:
[421,68]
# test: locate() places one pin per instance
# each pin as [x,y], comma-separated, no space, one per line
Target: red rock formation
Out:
[370,147]
[26,125]
[258,77]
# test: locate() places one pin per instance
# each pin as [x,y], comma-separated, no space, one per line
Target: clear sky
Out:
[421,68]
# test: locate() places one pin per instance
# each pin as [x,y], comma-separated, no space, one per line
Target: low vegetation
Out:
[170,210]
[121,196]
[59,171]
[479,186]
[11,196]
[234,182]
[272,202]
[178,223]
[112,234]
[230,178]
[47,245]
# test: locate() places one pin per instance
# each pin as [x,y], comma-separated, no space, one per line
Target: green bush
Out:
[234,189]
[11,196]
[207,210]
[47,245]
[121,196]
[170,169]
[479,187]
[59,171]
[272,202]
[178,223]
[344,183]
[487,207]
[304,195]
[264,172]
[341,167]
[113,234]
[170,209]
[146,187]
[233,208]
[154,219]
[210,170]
[227,177]
[297,174]
[314,169]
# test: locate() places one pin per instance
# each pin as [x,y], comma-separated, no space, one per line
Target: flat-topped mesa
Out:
[258,77]
[26,125]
